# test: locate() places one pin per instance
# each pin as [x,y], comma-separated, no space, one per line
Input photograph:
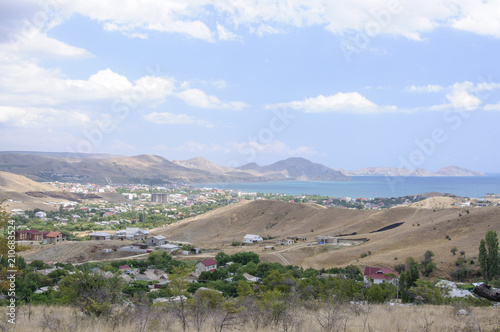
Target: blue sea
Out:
[373,186]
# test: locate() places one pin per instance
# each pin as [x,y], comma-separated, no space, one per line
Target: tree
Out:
[427,265]
[91,292]
[407,280]
[488,255]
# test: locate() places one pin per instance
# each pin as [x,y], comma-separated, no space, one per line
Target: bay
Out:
[373,186]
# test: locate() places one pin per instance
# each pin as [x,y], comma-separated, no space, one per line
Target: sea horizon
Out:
[373,186]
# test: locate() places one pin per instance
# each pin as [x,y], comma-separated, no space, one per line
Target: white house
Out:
[100,236]
[132,233]
[170,248]
[251,278]
[252,238]
[285,242]
[41,214]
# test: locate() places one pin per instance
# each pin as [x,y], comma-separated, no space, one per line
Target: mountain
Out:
[118,169]
[200,163]
[457,171]
[296,169]
[390,171]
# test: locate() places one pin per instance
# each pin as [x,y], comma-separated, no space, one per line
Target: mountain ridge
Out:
[123,169]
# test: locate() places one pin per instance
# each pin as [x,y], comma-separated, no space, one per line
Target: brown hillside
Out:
[19,183]
[422,229]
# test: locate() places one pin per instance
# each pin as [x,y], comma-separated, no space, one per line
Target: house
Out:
[297,238]
[152,275]
[18,212]
[30,235]
[192,278]
[250,277]
[100,236]
[41,215]
[132,233]
[327,239]
[205,265]
[170,248]
[156,240]
[252,238]
[284,242]
[55,237]
[378,275]
[124,268]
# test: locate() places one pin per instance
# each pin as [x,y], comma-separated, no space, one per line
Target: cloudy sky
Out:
[349,84]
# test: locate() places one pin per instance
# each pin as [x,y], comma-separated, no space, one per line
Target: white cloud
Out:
[423,89]
[131,17]
[39,44]
[179,119]
[198,98]
[194,17]
[340,102]
[492,107]
[39,117]
[463,100]
[225,34]
[465,95]
[481,17]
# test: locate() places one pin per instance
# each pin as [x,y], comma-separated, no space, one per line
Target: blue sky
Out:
[346,84]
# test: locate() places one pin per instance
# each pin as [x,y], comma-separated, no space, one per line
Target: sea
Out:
[373,186]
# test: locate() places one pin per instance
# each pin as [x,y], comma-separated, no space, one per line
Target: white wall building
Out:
[252,238]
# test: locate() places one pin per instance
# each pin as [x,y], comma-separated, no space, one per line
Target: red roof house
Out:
[205,265]
[379,275]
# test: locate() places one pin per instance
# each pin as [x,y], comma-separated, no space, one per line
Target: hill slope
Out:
[421,230]
[19,183]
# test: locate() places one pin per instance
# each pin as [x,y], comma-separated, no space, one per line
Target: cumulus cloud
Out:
[39,44]
[194,18]
[198,98]
[492,107]
[225,34]
[341,102]
[38,117]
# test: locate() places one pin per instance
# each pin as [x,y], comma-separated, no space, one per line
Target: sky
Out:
[348,84]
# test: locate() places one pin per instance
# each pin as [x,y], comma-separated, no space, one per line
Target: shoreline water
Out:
[373,186]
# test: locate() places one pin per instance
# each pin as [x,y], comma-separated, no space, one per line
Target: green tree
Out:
[427,265]
[488,255]
[91,292]
[375,294]
[407,280]
[222,258]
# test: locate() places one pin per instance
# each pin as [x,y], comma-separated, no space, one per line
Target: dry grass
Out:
[423,229]
[349,318]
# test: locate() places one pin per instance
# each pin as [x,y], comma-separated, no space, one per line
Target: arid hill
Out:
[19,183]
[422,229]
